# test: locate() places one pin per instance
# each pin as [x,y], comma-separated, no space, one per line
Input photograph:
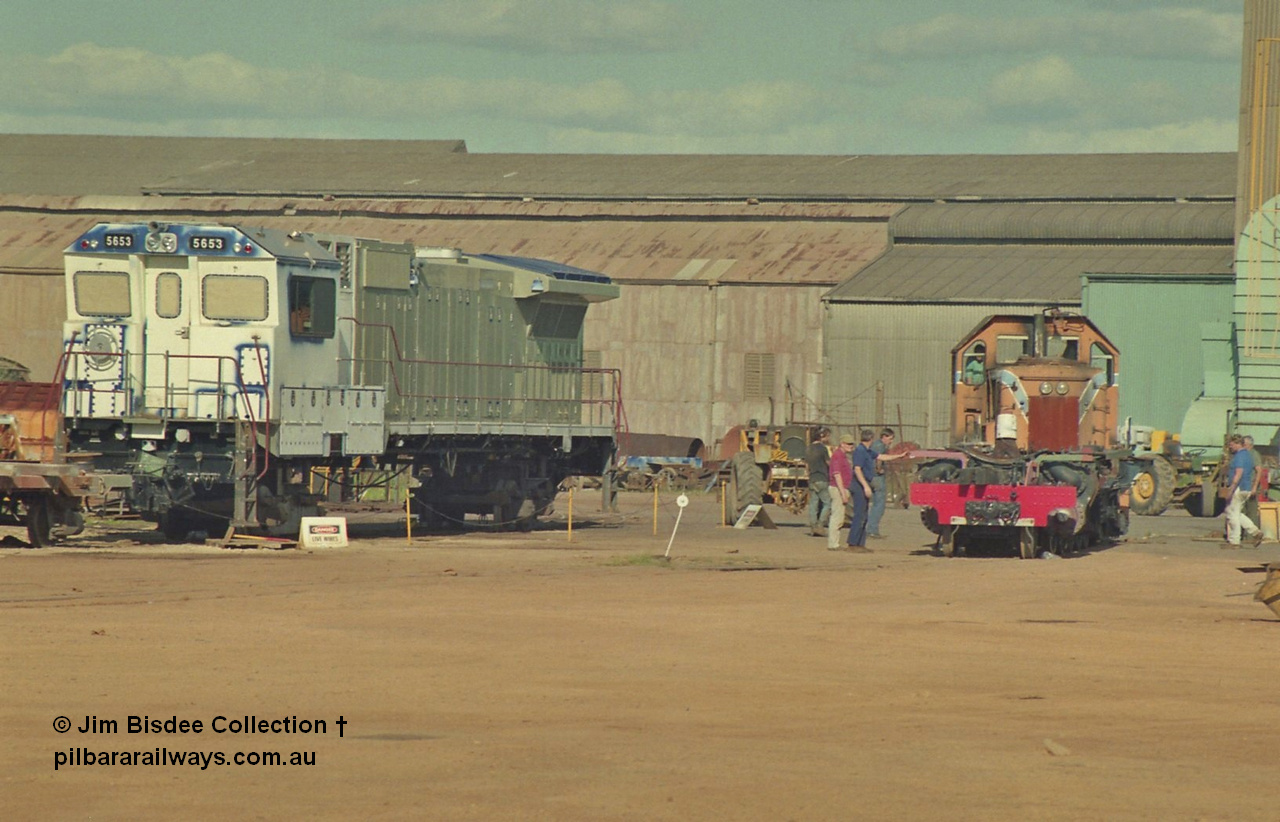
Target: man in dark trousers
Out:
[818,459]
[879,488]
[864,468]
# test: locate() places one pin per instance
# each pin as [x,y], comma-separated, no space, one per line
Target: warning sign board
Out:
[323,532]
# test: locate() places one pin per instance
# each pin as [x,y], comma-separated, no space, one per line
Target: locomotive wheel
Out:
[39,524]
[746,485]
[1152,489]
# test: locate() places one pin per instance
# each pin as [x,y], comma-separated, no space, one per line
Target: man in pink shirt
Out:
[841,481]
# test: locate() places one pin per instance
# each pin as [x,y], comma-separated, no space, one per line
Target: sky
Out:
[637,76]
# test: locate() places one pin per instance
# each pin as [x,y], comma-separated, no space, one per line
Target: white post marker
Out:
[323,532]
[681,502]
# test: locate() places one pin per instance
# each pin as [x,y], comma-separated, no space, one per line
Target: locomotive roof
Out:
[559,271]
[294,246]
[1028,319]
[289,245]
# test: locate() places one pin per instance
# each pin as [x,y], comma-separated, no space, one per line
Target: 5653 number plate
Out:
[204,242]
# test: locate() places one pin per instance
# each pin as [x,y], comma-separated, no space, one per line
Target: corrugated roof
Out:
[622,245]
[72,165]
[559,271]
[76,164]
[1142,222]
[1009,273]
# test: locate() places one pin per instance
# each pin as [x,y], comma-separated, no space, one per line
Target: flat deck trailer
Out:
[39,489]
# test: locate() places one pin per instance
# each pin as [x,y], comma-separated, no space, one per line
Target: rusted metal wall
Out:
[32,311]
[683,350]
[905,346]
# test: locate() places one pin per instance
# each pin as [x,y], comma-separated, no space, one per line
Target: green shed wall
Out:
[1155,322]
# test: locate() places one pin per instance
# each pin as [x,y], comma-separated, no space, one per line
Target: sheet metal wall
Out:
[682,350]
[32,310]
[907,346]
[1155,322]
[1257,173]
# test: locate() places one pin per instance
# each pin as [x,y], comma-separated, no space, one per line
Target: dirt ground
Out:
[753,675]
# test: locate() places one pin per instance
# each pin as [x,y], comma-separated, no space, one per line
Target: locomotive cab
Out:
[1050,380]
[183,322]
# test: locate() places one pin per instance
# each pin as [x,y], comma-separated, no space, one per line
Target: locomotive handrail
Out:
[266,423]
[221,359]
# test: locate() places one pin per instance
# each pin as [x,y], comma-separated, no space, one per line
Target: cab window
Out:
[1064,348]
[312,307]
[1102,360]
[1010,348]
[235,297]
[102,293]
[974,366]
[168,295]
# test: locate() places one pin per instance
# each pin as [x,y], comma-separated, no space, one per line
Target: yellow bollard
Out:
[655,509]
[724,511]
[408,518]
[570,515]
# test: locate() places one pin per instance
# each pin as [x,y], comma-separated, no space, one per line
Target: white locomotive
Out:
[222,365]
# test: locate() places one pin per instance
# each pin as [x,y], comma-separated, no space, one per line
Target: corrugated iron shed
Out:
[1016,273]
[819,245]
[1065,222]
[72,165]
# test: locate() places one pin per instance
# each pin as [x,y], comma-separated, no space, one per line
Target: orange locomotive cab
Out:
[1047,382]
[1034,463]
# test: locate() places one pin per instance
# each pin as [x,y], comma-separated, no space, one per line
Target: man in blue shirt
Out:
[864,469]
[879,489]
[1240,474]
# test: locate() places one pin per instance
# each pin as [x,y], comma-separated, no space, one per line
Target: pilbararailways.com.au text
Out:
[84,757]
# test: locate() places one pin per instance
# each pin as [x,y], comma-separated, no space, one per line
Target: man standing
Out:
[864,468]
[841,476]
[879,488]
[1251,507]
[818,459]
[1241,474]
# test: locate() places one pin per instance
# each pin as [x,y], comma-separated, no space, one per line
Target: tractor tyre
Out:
[746,484]
[39,523]
[1153,488]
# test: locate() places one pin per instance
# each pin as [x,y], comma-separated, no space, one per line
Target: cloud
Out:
[541,26]
[943,114]
[1208,134]
[1050,83]
[96,83]
[1169,33]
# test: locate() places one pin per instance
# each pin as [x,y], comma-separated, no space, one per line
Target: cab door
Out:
[169,295]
